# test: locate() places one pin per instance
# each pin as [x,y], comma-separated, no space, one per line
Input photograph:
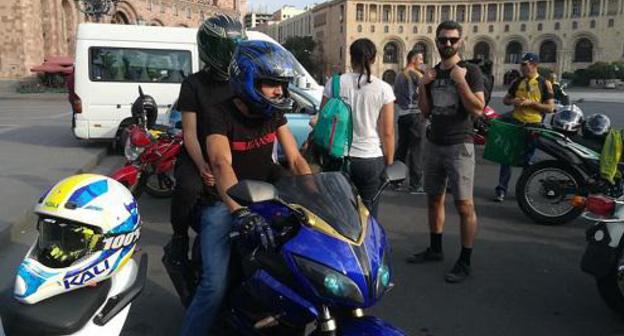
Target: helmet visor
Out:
[220,50]
[62,242]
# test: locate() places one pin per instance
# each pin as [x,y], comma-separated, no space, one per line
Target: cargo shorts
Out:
[452,164]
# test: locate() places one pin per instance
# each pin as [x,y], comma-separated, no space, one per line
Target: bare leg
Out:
[436,213]
[468,221]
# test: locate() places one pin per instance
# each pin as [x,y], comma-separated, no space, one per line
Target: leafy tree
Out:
[302,48]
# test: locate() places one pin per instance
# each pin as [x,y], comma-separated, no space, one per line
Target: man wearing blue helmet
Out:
[240,134]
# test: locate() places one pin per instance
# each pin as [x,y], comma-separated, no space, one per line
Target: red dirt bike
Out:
[482,124]
[150,156]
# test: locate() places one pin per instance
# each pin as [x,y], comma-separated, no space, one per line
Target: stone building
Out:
[567,34]
[31,30]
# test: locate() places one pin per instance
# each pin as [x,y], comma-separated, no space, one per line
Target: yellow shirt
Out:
[528,88]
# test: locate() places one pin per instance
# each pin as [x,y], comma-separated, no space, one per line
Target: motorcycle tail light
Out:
[77,105]
[139,137]
[600,205]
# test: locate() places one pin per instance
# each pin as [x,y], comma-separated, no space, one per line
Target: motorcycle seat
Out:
[59,315]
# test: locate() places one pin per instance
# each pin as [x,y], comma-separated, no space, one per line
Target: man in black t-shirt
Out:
[453,97]
[216,42]
[240,133]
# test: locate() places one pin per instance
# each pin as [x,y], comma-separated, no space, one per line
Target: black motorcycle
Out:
[545,189]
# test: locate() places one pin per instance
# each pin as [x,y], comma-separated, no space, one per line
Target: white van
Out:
[113,60]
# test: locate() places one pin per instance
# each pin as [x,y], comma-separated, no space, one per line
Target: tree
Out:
[302,48]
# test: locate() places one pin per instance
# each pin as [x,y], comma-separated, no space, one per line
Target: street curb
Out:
[35,96]
[16,226]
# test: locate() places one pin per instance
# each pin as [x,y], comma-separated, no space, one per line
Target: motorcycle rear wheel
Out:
[611,287]
[160,185]
[556,197]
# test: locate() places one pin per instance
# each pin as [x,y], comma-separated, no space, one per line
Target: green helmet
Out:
[216,40]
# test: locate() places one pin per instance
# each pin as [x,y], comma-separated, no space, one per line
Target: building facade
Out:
[567,34]
[254,19]
[52,24]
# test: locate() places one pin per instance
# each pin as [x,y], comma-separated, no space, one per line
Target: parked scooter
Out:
[331,260]
[150,152]
[603,257]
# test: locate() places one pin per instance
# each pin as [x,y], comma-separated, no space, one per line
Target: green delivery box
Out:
[506,143]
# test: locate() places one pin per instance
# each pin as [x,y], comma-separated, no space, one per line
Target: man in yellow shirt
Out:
[532,97]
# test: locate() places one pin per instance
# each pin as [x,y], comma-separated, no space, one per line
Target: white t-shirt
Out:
[366,103]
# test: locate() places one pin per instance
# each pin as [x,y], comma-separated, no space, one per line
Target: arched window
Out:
[584,51]
[389,76]
[548,52]
[422,48]
[120,18]
[482,51]
[513,52]
[391,53]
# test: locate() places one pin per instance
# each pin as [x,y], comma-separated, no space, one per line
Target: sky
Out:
[273,5]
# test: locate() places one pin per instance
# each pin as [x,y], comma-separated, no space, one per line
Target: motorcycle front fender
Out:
[127,175]
[367,325]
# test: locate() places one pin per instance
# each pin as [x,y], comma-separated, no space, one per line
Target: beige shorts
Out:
[453,164]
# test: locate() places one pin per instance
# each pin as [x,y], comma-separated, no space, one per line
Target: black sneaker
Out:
[499,196]
[427,255]
[459,273]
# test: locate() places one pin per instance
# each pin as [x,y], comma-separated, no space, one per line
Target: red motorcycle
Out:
[150,152]
[482,124]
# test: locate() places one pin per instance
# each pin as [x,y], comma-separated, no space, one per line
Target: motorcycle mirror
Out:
[141,92]
[248,191]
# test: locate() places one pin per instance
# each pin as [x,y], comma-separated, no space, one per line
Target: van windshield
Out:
[138,65]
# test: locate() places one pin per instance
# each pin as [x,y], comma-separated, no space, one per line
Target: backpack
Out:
[334,129]
[488,79]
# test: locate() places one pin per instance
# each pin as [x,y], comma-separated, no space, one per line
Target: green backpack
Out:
[333,132]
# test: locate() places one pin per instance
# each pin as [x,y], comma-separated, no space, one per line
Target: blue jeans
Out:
[215,226]
[366,176]
[527,158]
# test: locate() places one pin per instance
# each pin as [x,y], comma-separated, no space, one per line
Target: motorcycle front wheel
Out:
[544,191]
[160,185]
[611,287]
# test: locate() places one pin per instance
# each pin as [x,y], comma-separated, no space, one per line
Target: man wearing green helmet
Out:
[216,40]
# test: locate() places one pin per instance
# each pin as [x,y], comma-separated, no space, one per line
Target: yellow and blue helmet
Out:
[88,229]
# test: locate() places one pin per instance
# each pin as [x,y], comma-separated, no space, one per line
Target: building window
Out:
[583,51]
[391,53]
[386,29]
[491,28]
[341,13]
[513,52]
[359,28]
[415,30]
[340,53]
[475,29]
[386,13]
[506,28]
[175,10]
[372,29]
[431,11]
[482,51]
[341,29]
[592,24]
[539,27]
[574,24]
[524,11]
[415,13]
[372,13]
[401,14]
[429,30]
[508,11]
[359,12]
[421,48]
[594,8]
[541,10]
[460,13]
[612,8]
[522,27]
[548,52]
[476,13]
[557,26]
[491,15]
[400,29]
[188,12]
[576,8]
[611,22]
[559,4]
[445,13]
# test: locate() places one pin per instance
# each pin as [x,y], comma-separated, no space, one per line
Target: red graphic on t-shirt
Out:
[254,143]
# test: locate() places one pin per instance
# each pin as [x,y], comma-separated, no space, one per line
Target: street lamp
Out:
[96,8]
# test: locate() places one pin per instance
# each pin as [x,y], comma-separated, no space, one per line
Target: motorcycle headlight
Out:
[383,277]
[131,151]
[329,282]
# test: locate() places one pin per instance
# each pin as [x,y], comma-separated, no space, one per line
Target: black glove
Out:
[253,229]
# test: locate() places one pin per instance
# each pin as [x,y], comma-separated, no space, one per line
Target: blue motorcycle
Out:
[331,261]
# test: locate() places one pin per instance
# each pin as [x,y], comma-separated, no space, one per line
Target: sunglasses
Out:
[443,40]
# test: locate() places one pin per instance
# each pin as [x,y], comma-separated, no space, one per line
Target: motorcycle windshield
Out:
[329,196]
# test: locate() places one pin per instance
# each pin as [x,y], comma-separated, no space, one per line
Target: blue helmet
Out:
[255,61]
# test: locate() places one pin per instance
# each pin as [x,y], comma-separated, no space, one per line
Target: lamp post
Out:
[96,8]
